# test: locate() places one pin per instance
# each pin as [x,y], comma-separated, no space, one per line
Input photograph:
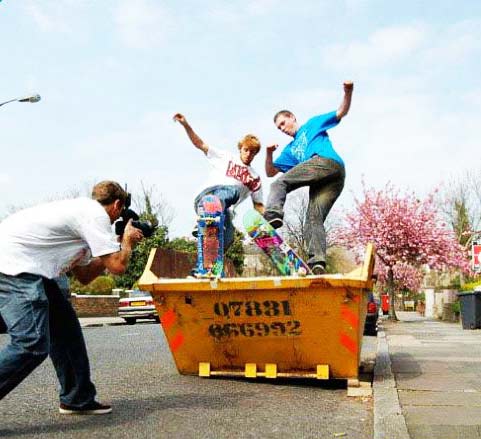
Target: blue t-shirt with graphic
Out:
[310,139]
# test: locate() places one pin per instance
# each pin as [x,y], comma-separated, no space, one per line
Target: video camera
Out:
[127,214]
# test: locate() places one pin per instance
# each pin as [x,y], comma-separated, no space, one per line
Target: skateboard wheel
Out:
[302,271]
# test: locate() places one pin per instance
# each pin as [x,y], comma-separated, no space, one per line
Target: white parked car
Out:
[139,305]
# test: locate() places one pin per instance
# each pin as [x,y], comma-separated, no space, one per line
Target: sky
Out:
[113,73]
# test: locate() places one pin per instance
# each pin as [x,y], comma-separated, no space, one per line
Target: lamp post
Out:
[32,99]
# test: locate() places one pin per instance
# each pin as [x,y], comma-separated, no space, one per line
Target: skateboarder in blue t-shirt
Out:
[308,160]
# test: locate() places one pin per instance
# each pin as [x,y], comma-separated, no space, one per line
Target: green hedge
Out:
[456,307]
[100,285]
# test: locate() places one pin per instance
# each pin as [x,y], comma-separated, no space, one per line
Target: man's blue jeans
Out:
[228,195]
[41,322]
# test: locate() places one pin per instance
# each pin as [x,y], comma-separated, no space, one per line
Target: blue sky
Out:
[112,73]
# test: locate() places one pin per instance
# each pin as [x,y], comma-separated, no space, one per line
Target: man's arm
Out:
[346,102]
[194,138]
[259,207]
[271,170]
[117,262]
[87,273]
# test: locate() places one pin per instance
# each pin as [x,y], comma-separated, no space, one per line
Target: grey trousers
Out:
[325,179]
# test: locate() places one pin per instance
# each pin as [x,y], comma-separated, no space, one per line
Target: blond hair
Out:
[251,142]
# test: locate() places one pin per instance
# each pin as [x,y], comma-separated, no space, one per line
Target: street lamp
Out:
[32,99]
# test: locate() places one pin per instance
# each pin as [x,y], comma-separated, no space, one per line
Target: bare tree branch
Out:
[460,203]
[152,202]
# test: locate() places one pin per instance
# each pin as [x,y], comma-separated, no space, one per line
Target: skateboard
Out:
[270,242]
[210,239]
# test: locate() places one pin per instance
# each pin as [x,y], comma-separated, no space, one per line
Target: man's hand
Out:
[132,235]
[271,170]
[180,118]
[271,148]
[117,262]
[346,101]
[348,86]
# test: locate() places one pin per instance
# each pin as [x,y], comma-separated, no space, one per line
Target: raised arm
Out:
[271,170]
[346,101]
[194,138]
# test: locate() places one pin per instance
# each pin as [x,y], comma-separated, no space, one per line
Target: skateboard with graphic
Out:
[210,238]
[286,260]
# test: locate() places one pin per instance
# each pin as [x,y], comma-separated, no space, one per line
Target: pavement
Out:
[427,380]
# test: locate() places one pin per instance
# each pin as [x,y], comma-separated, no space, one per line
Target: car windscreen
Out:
[138,293]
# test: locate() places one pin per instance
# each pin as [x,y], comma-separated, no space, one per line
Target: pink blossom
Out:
[407,232]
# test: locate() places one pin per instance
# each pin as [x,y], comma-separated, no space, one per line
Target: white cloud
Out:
[142,24]
[408,48]
[47,21]
[381,47]
[241,12]
[354,6]
[57,16]
[454,44]
[261,7]
[4,178]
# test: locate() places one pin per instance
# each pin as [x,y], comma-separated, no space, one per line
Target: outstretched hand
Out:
[348,86]
[180,118]
[272,148]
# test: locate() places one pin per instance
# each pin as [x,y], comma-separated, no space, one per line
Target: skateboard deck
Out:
[286,260]
[210,240]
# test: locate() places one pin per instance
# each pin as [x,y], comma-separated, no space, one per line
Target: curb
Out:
[98,325]
[389,422]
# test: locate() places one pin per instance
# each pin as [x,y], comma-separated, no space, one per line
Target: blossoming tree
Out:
[408,233]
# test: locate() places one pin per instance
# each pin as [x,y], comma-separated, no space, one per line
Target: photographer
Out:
[39,245]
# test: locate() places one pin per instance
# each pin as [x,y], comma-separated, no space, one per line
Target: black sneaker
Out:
[195,231]
[276,223]
[94,408]
[274,218]
[318,269]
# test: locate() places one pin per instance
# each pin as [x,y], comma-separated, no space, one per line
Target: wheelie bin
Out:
[309,327]
[470,302]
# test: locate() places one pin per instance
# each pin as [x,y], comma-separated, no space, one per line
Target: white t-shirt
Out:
[52,238]
[228,170]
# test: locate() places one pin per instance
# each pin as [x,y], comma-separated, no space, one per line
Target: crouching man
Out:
[37,245]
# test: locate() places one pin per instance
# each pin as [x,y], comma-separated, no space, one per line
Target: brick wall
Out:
[95,306]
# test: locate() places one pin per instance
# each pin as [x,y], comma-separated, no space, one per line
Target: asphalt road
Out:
[133,370]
